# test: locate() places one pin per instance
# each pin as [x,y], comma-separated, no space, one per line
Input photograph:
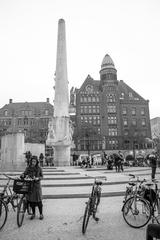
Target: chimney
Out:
[47,100]
[10,100]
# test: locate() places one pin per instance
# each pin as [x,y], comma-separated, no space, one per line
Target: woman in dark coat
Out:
[35,195]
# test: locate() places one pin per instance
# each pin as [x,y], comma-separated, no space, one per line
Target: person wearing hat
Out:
[34,197]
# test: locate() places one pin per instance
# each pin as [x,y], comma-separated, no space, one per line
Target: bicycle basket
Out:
[21,186]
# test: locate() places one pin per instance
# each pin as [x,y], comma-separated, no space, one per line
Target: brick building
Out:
[29,117]
[108,113]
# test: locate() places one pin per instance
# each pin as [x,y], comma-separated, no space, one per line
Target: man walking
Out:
[153,163]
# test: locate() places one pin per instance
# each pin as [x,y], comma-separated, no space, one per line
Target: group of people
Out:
[28,156]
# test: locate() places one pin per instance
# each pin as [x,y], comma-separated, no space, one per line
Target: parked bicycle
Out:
[16,197]
[92,204]
[22,187]
[143,206]
[7,197]
[134,184]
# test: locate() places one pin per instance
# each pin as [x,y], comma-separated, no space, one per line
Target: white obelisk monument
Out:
[60,128]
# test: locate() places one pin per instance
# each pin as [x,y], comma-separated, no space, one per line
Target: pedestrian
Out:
[34,197]
[153,163]
[74,157]
[41,157]
[28,156]
[121,160]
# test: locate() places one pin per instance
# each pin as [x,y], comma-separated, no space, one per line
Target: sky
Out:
[127,30]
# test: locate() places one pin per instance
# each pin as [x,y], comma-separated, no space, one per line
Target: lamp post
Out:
[87,143]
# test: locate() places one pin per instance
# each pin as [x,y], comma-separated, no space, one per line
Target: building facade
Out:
[29,117]
[109,114]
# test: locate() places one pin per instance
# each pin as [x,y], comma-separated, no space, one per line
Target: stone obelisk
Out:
[61,120]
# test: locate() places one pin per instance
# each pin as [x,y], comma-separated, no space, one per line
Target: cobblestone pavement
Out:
[63,221]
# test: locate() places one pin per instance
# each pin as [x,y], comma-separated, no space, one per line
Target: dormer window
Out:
[130,95]
[6,113]
[122,96]
[46,112]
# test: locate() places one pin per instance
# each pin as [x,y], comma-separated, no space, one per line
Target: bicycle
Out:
[22,187]
[92,204]
[131,187]
[152,196]
[7,196]
[136,209]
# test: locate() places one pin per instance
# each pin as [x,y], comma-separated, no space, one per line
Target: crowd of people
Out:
[111,160]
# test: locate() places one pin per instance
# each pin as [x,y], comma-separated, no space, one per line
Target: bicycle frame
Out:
[92,204]
[7,195]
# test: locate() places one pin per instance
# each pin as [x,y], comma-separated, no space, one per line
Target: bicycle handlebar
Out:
[18,178]
[9,177]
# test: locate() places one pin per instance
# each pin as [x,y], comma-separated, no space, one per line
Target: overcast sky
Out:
[128,30]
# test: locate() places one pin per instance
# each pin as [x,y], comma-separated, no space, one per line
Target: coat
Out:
[35,194]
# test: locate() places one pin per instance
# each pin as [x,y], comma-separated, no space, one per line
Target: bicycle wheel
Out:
[3,213]
[86,216]
[136,212]
[156,211]
[95,203]
[22,206]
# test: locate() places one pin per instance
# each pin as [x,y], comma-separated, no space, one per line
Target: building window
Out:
[111,97]
[82,109]
[46,112]
[85,99]
[124,110]
[81,99]
[90,120]
[26,113]
[133,111]
[93,99]
[134,122]
[97,108]
[122,96]
[125,122]
[97,99]
[126,133]
[82,120]
[113,143]
[89,109]
[112,132]
[112,120]
[89,99]
[143,122]
[19,121]
[130,95]
[111,109]
[5,113]
[142,111]
[85,119]
[94,109]
[85,109]
[25,121]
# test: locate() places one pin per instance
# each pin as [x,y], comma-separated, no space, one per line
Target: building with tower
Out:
[109,115]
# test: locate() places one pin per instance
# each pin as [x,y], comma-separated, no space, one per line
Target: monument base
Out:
[61,156]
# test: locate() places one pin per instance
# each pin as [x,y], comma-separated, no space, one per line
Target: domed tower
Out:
[108,73]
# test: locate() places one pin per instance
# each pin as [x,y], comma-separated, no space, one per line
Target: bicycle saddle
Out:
[98,182]
[132,183]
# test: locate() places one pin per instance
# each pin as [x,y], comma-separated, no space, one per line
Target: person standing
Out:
[153,163]
[41,157]
[34,197]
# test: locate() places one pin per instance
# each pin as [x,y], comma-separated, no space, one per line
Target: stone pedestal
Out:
[62,156]
[12,152]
